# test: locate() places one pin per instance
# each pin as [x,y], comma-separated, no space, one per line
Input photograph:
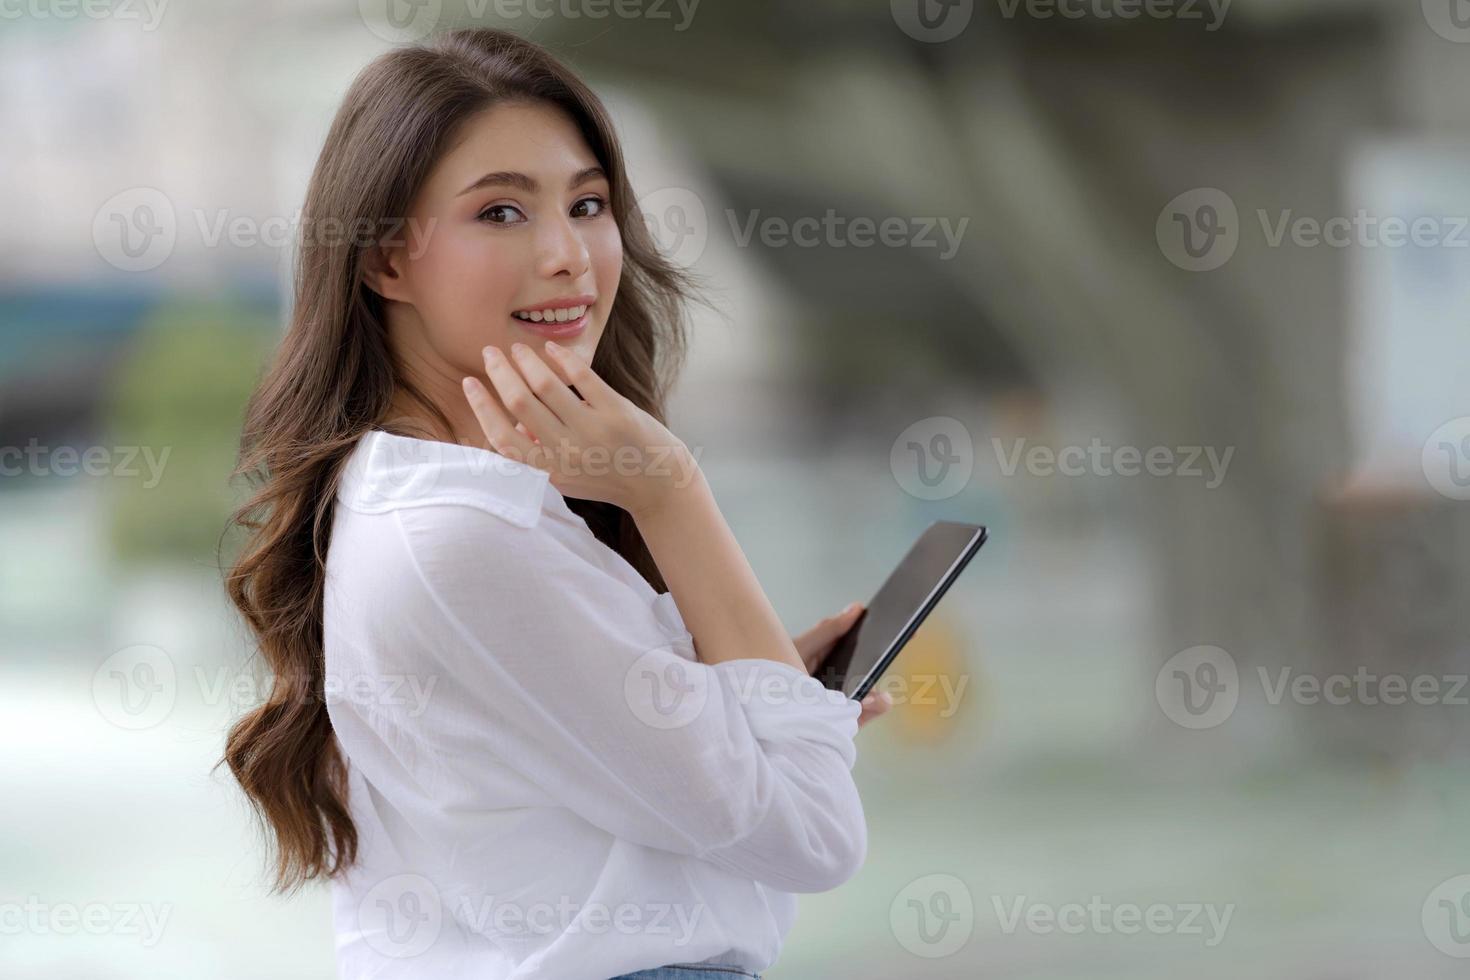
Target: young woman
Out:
[532,716]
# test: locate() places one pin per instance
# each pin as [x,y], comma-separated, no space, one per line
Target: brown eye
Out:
[598,206]
[492,214]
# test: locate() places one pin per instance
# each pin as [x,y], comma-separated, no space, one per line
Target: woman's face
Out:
[514,219]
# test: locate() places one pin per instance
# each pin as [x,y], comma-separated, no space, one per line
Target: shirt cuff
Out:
[784,703]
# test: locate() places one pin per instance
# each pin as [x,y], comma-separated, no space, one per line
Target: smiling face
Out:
[514,218]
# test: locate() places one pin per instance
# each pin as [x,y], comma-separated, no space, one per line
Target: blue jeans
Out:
[689,971]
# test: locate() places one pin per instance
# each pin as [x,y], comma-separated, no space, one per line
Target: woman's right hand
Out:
[600,446]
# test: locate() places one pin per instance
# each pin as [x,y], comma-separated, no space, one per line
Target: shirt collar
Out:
[386,471]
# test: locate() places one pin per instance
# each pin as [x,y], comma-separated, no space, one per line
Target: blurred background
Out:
[1170,294]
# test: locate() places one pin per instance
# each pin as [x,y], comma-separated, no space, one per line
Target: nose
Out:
[561,251]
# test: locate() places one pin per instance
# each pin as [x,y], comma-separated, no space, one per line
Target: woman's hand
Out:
[599,446]
[817,642]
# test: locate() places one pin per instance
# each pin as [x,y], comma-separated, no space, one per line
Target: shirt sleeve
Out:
[567,674]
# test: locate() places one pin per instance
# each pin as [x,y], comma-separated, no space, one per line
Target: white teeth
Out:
[554,316]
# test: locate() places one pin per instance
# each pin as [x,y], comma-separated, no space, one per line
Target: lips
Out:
[551,314]
[560,310]
[555,328]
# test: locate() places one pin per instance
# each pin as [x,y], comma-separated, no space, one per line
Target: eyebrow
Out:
[511,178]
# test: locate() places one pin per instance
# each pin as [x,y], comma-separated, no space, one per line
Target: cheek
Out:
[606,251]
[462,281]
[470,266]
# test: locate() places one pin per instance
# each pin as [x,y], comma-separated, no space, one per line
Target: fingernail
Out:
[553,345]
[467,384]
[490,353]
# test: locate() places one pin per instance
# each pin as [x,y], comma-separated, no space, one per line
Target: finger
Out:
[810,653]
[559,365]
[594,391]
[521,428]
[517,396]
[498,427]
[876,703]
[814,644]
[547,385]
[834,626]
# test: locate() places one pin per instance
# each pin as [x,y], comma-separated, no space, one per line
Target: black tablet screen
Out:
[901,604]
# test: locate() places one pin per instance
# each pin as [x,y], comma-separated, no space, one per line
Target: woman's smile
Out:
[559,318]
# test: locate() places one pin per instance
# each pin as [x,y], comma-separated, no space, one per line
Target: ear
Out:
[382,271]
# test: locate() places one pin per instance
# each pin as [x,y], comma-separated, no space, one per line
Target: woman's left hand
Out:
[817,642]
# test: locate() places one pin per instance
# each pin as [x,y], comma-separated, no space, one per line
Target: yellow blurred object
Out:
[932,684]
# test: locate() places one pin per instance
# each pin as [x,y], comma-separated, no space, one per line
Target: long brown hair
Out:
[333,378]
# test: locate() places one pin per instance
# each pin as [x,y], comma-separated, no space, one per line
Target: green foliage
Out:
[181,391]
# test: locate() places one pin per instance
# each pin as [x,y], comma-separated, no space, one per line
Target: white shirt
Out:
[545,781]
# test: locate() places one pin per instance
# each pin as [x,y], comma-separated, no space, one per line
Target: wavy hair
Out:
[333,378]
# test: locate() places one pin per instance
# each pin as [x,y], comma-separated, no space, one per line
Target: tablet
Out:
[909,594]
